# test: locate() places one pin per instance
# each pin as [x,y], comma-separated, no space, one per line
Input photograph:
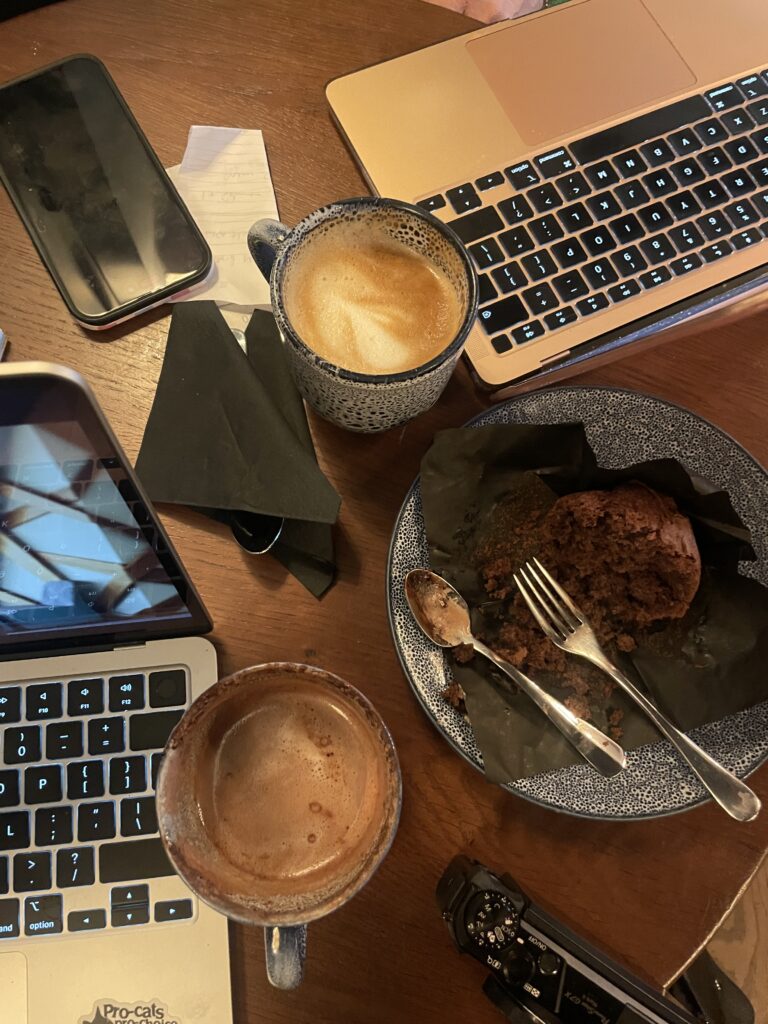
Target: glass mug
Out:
[368,402]
[278,797]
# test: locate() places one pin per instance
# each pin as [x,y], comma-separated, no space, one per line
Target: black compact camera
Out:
[540,970]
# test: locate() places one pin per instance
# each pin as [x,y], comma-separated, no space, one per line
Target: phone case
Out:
[139,305]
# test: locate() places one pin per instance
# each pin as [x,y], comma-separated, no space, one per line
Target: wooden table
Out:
[649,892]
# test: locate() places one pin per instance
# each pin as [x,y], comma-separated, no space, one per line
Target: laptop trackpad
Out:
[13,986]
[578,66]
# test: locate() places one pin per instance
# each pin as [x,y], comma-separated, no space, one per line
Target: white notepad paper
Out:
[224,179]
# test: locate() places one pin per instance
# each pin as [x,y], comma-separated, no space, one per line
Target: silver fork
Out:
[566,626]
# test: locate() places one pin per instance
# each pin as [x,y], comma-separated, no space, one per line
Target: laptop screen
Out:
[83,558]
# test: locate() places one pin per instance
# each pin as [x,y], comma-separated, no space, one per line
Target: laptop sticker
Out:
[110,1011]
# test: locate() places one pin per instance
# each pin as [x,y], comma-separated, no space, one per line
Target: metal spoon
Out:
[443,617]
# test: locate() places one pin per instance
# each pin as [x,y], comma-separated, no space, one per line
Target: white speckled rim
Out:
[622,427]
[365,204]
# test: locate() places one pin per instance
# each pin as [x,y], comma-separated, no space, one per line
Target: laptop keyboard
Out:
[78,767]
[616,213]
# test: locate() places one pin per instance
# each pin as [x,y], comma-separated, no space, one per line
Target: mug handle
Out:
[265,240]
[285,950]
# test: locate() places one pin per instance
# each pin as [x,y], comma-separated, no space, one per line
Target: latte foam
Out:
[367,302]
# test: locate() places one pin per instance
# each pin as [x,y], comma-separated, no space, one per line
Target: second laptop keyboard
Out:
[616,213]
[78,766]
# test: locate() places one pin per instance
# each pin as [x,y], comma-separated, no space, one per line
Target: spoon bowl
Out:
[439,609]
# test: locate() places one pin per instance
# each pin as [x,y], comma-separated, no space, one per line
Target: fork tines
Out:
[552,608]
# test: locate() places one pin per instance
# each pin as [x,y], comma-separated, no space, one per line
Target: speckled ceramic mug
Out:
[363,402]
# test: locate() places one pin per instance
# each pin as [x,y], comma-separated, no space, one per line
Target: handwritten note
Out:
[224,180]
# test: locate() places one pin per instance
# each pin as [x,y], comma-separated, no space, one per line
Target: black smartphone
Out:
[103,214]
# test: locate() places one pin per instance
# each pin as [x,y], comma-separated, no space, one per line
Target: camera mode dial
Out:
[491,921]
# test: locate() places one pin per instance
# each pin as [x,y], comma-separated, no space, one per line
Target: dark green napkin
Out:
[229,433]
[304,548]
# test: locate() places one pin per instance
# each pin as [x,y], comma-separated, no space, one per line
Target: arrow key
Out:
[86,920]
[128,914]
[129,895]
[173,910]
[130,905]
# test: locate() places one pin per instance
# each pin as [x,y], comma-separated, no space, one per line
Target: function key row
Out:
[166,688]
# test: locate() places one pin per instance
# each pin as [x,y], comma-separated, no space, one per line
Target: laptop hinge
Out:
[67,652]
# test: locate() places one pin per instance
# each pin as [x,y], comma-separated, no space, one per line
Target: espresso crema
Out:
[368,302]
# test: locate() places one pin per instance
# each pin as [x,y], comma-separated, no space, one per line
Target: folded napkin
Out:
[228,434]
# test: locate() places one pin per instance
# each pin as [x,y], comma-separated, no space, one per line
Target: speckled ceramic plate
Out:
[623,427]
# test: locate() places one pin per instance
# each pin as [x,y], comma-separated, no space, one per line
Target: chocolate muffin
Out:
[628,550]
[627,557]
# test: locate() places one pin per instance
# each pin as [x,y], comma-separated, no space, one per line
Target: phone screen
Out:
[105,218]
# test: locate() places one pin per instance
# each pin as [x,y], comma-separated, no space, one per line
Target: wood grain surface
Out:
[648,892]
[740,945]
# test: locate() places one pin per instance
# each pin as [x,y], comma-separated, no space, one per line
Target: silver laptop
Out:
[605,162]
[100,654]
